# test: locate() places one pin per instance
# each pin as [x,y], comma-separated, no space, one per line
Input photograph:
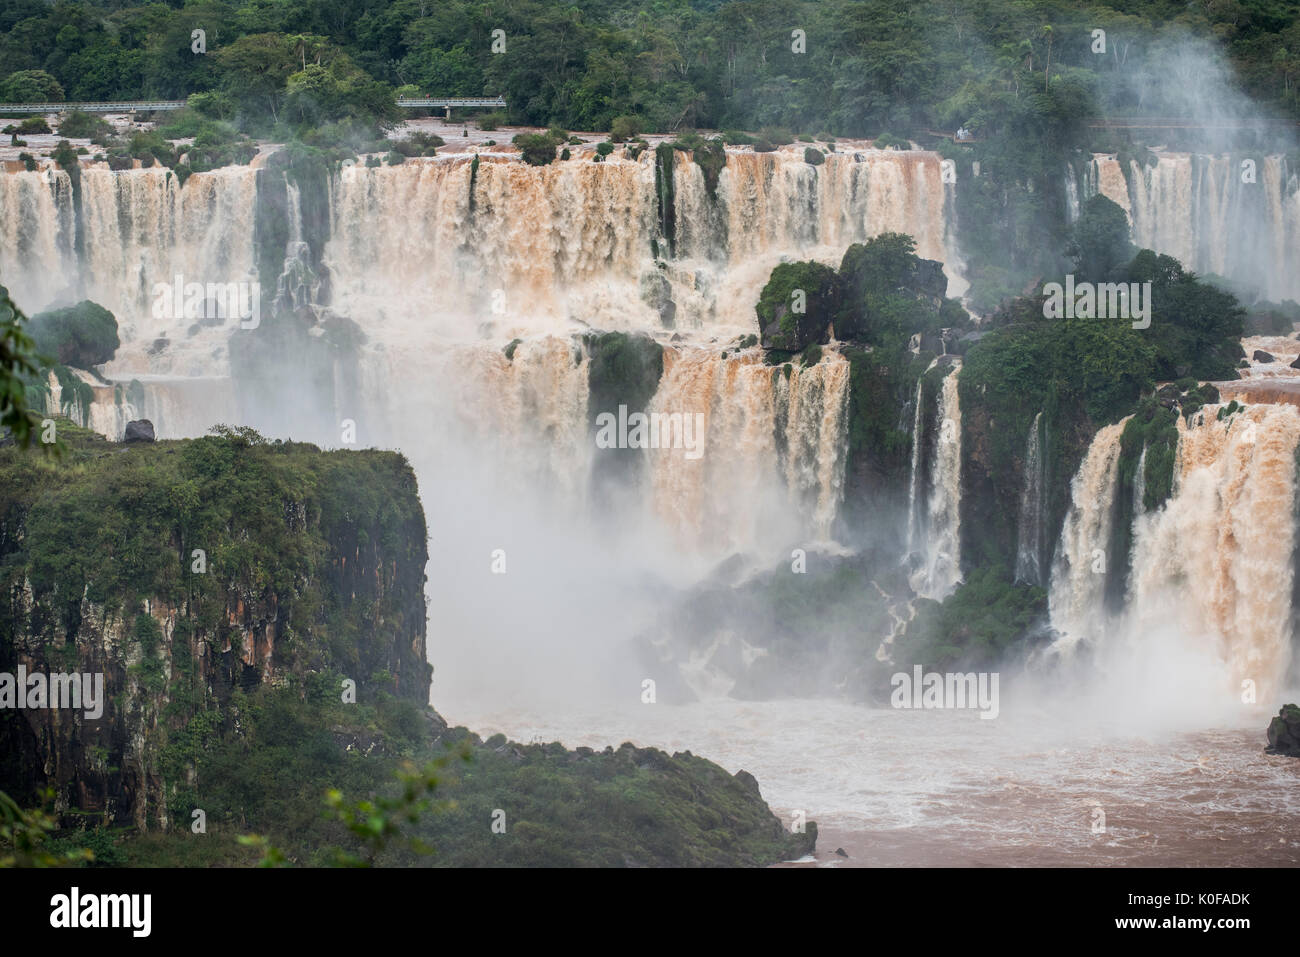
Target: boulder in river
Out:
[138,430]
[1284,732]
[1261,356]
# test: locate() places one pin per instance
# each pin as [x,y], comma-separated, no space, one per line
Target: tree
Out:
[84,335]
[26,837]
[31,86]
[17,361]
[254,71]
[1196,328]
[623,128]
[81,125]
[1099,241]
[537,149]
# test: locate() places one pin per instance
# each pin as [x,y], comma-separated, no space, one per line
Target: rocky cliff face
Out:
[184,572]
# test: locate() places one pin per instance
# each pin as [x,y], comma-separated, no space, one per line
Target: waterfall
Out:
[775,447]
[1029,551]
[940,569]
[543,247]
[522,417]
[298,285]
[293,205]
[1215,564]
[184,407]
[1140,482]
[138,228]
[141,228]
[1212,570]
[108,412]
[1075,597]
[1212,214]
[432,289]
[914,516]
[36,237]
[771,468]
[542,250]
[812,424]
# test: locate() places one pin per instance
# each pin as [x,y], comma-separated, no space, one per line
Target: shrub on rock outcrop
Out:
[796,306]
[83,335]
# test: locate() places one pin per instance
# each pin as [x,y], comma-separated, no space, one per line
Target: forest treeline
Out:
[847,67]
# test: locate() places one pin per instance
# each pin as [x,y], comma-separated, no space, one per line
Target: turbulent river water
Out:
[900,788]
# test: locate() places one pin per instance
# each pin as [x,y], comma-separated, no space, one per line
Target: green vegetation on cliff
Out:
[882,297]
[885,293]
[187,570]
[1083,373]
[889,311]
[558,807]
[1195,327]
[988,620]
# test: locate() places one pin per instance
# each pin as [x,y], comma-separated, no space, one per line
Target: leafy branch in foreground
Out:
[377,823]
[25,834]
[18,360]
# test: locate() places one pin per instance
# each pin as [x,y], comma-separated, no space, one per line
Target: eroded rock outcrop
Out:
[1284,732]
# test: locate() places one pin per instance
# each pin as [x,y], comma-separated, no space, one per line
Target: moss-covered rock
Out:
[885,292]
[795,308]
[666,196]
[83,336]
[657,293]
[1284,731]
[818,629]
[623,371]
[989,619]
[711,157]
